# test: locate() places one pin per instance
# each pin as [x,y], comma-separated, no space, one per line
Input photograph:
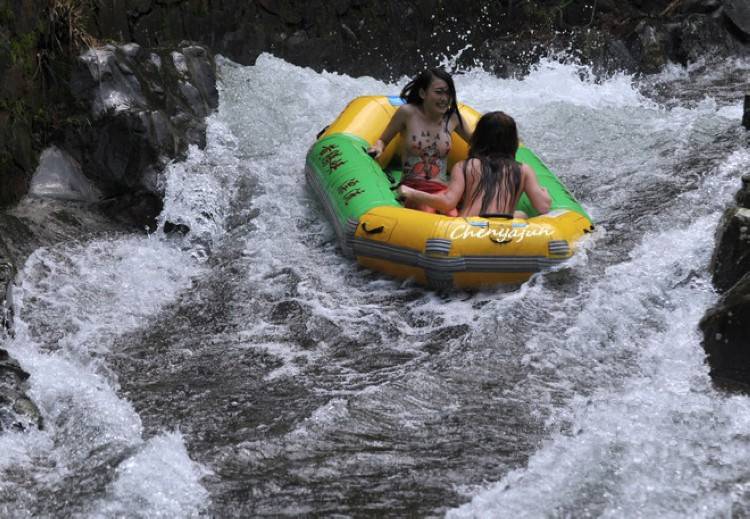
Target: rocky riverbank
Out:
[40,42]
[131,110]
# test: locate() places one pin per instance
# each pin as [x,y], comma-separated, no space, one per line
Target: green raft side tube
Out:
[561,197]
[349,181]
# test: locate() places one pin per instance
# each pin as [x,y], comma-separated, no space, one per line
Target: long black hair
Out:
[495,142]
[410,93]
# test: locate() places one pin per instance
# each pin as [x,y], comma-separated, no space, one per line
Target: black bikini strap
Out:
[496,215]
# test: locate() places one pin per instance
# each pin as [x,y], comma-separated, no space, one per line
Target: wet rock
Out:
[145,106]
[9,364]
[7,273]
[17,411]
[702,36]
[651,48]
[731,259]
[697,6]
[139,208]
[175,228]
[743,195]
[360,38]
[726,328]
[738,12]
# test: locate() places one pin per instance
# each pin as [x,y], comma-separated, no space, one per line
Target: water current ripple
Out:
[247,369]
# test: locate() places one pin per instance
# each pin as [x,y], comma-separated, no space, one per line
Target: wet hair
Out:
[495,142]
[410,93]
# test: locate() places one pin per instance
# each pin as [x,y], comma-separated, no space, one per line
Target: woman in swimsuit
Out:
[490,181]
[425,123]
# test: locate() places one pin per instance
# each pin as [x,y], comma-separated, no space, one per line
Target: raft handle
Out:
[499,241]
[391,180]
[376,230]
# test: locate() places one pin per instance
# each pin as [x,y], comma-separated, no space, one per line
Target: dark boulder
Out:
[17,411]
[145,107]
[7,273]
[738,13]
[731,258]
[726,328]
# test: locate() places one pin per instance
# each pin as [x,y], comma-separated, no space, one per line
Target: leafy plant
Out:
[66,25]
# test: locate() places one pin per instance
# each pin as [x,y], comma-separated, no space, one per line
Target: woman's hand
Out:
[376,149]
[404,192]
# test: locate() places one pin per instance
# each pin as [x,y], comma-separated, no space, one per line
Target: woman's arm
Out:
[463,129]
[396,124]
[444,201]
[538,196]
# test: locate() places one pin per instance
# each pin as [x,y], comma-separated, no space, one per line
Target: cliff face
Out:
[21,99]
[396,37]
[40,39]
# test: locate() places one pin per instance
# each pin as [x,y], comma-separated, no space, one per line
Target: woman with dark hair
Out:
[425,123]
[489,181]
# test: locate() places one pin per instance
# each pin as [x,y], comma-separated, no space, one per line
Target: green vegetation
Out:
[23,53]
[66,25]
[6,16]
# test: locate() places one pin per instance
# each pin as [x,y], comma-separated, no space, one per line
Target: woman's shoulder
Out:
[406,113]
[525,169]
[471,165]
[408,109]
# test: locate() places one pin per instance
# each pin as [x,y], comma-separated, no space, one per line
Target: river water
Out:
[247,369]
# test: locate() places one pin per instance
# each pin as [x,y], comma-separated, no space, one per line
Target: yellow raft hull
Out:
[436,250]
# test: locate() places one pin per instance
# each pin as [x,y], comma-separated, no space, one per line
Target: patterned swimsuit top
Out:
[427,155]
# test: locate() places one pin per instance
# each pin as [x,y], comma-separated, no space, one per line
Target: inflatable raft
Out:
[358,195]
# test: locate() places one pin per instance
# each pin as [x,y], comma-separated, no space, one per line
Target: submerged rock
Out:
[176,228]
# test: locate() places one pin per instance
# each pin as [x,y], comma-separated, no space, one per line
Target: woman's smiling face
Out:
[437,97]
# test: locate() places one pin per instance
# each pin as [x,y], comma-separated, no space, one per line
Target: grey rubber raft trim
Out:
[441,267]
[559,248]
[438,246]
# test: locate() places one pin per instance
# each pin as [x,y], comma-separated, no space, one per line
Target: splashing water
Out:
[303,384]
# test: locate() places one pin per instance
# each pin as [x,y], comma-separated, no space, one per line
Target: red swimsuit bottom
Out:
[428,186]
